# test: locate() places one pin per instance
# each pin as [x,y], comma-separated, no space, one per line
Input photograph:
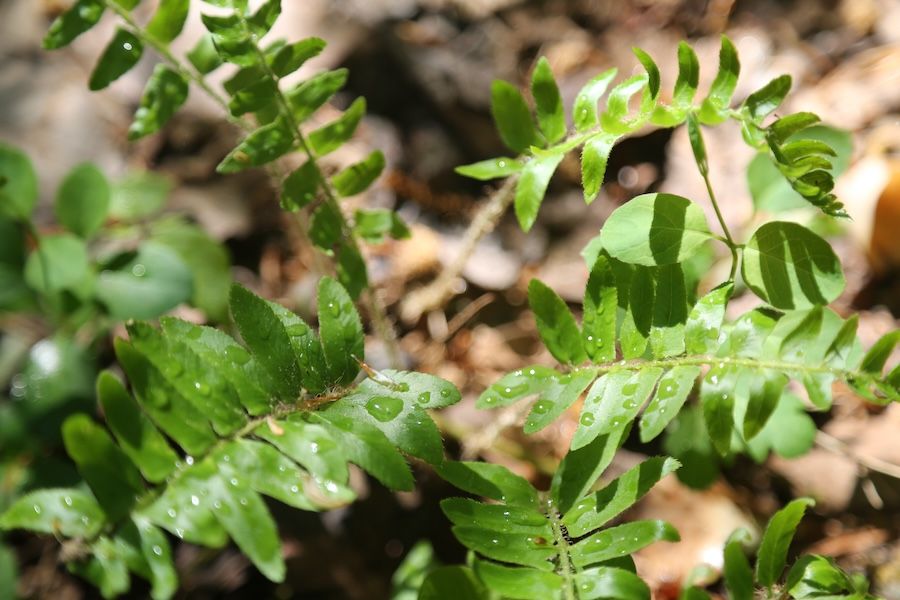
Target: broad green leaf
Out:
[82,201]
[818,577]
[122,53]
[687,440]
[618,541]
[580,469]
[157,553]
[300,187]
[600,306]
[876,357]
[358,177]
[60,262]
[518,582]
[717,397]
[789,433]
[19,187]
[557,397]
[671,392]
[154,281]
[375,225]
[139,194]
[655,229]
[737,571]
[491,168]
[262,146]
[409,576]
[513,117]
[67,512]
[329,138]
[368,448]
[615,118]
[772,555]
[555,323]
[532,186]
[465,512]
[547,101]
[790,267]
[613,402]
[723,86]
[787,126]
[584,111]
[764,388]
[261,22]
[516,386]
[292,56]
[207,259]
[109,473]
[451,583]
[231,38]
[263,326]
[515,548]
[83,15]
[490,481]
[105,569]
[351,269]
[311,446]
[610,582]
[635,331]
[168,20]
[166,91]
[704,323]
[652,70]
[309,96]
[596,510]
[341,331]
[203,55]
[667,331]
[253,98]
[594,157]
[136,435]
[688,75]
[766,99]
[326,226]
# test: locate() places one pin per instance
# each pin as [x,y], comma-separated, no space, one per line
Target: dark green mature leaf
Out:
[166,91]
[597,509]
[766,99]
[341,331]
[490,481]
[773,548]
[635,331]
[737,571]
[513,118]
[168,20]
[309,96]
[326,226]
[532,185]
[610,582]
[790,267]
[723,86]
[135,433]
[111,476]
[669,312]
[300,187]
[82,201]
[618,541]
[688,75]
[653,79]
[655,229]
[153,282]
[67,512]
[584,111]
[122,53]
[548,103]
[491,168]
[594,156]
[451,583]
[60,262]
[671,393]
[254,97]
[19,188]
[764,389]
[698,146]
[466,512]
[600,305]
[518,582]
[556,325]
[83,15]
[292,56]
[203,55]
[580,469]
[260,147]
[717,397]
[332,136]
[516,548]
[358,177]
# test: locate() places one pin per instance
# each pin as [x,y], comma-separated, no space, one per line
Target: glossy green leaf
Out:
[358,177]
[262,146]
[688,75]
[310,445]
[341,331]
[329,138]
[557,397]
[60,262]
[737,571]
[138,194]
[517,385]
[351,269]
[655,229]
[671,393]
[548,103]
[465,512]
[704,323]
[519,582]
[764,388]
[165,93]
[667,331]
[556,324]
[450,583]
[790,267]
[491,168]
[66,512]
[610,582]
[513,117]
[618,541]
[203,55]
[594,157]
[698,146]
[600,305]
[490,481]
[772,554]
[300,187]
[580,469]
[532,186]
[168,20]
[309,96]
[122,53]
[613,402]
[154,281]
[723,86]
[769,97]
[615,118]
[653,78]
[597,509]
[111,476]
[292,56]
[687,440]
[82,201]
[717,397]
[635,331]
[326,226]
[135,433]
[789,432]
[584,111]
[19,189]
[82,16]
[253,98]
[375,225]
[516,548]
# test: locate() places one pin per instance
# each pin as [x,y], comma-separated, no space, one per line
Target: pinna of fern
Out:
[211,425]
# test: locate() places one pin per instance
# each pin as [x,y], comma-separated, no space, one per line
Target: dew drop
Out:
[233,481]
[542,407]
[629,388]
[587,419]
[445,393]
[175,369]
[501,163]
[295,489]
[531,371]
[495,541]
[157,550]
[335,309]
[226,457]
[195,500]
[282,468]
[331,486]
[67,501]
[189,460]
[314,447]
[237,354]
[137,270]
[179,532]
[297,329]
[243,501]
[172,513]
[127,46]
[424,398]
[202,388]
[85,520]
[194,333]
[217,504]
[37,509]
[384,408]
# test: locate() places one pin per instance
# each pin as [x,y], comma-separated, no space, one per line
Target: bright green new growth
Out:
[213,424]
